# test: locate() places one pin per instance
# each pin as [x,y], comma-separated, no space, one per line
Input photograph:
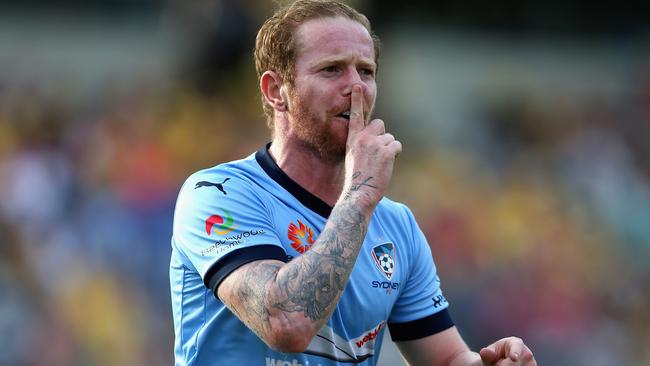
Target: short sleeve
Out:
[221,222]
[421,309]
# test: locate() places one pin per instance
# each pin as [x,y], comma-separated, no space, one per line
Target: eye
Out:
[331,69]
[367,72]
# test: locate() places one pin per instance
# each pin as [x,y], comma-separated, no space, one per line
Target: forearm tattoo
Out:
[313,284]
[357,186]
[310,284]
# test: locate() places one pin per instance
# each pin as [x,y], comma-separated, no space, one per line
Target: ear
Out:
[273,92]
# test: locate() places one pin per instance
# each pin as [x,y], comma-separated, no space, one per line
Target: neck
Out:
[322,179]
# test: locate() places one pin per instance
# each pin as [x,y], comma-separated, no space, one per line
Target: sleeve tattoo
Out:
[310,284]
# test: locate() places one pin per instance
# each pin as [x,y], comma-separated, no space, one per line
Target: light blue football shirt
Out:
[247,210]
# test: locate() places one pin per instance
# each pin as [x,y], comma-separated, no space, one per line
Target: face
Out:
[332,55]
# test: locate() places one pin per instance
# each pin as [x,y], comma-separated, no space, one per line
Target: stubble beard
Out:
[315,135]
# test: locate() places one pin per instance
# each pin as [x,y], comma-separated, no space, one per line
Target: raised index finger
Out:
[357,122]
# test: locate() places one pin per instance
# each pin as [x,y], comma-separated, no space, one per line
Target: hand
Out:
[370,154]
[508,352]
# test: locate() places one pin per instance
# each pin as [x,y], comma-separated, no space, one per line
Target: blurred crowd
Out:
[87,196]
[543,228]
[540,228]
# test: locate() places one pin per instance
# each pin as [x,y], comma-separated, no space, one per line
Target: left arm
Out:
[447,348]
[442,345]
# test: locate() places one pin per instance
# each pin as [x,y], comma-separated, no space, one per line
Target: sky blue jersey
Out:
[248,210]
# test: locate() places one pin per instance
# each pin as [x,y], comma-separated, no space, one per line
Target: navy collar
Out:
[271,168]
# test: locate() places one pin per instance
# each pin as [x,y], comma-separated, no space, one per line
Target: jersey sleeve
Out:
[421,309]
[221,223]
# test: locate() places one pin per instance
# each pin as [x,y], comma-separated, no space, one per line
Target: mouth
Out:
[345,115]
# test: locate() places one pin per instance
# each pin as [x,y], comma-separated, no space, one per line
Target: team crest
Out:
[384,257]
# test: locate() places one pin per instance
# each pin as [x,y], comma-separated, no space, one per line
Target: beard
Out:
[316,135]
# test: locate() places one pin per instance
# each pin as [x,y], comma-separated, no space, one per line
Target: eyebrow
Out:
[339,60]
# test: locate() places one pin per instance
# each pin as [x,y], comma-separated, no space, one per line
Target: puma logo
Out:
[210,184]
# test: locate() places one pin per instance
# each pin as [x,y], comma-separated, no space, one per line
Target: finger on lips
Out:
[356,106]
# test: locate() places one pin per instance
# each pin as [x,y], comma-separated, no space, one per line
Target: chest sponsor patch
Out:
[384,258]
[301,236]
[329,344]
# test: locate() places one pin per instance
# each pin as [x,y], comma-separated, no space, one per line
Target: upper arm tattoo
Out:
[245,292]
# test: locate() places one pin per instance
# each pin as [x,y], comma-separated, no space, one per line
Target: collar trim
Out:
[271,168]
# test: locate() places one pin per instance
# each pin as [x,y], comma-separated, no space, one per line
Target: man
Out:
[293,256]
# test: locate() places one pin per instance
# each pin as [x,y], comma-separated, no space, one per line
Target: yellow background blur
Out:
[526,132]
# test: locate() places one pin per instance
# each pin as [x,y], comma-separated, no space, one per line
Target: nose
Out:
[353,78]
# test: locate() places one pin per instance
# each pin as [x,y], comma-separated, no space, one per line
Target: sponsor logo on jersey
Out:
[384,258]
[386,285]
[301,236]
[231,241]
[217,248]
[370,336]
[438,301]
[275,362]
[218,186]
[220,224]
[327,343]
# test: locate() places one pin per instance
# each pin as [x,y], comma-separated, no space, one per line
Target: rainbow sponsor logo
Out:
[220,224]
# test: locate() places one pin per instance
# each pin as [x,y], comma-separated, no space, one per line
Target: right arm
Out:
[286,304]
